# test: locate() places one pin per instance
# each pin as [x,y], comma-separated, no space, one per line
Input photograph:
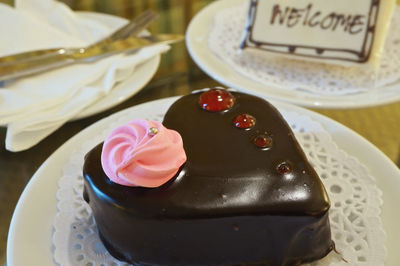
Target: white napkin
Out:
[34,107]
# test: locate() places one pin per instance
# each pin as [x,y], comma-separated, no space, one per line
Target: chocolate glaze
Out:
[228,204]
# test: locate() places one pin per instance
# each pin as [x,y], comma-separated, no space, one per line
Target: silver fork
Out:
[133,28]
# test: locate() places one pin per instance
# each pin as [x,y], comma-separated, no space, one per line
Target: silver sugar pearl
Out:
[152,131]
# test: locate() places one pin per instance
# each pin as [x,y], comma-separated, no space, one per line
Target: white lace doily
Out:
[294,74]
[354,214]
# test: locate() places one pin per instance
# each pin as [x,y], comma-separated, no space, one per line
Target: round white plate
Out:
[29,238]
[196,42]
[127,88]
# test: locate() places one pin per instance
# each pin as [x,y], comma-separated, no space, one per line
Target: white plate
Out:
[127,88]
[29,238]
[196,42]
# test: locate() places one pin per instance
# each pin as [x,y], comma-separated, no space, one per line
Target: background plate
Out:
[196,42]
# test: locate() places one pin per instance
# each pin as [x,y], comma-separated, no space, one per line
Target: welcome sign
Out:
[325,29]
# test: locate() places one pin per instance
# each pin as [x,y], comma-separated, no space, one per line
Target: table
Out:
[177,75]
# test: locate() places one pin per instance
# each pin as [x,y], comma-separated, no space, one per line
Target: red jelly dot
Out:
[244,121]
[263,141]
[284,168]
[216,100]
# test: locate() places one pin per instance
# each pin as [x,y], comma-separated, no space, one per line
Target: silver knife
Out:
[13,69]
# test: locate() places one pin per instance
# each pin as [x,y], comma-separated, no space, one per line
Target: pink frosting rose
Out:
[142,153]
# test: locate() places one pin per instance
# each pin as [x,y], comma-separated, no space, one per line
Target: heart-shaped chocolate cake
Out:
[246,193]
